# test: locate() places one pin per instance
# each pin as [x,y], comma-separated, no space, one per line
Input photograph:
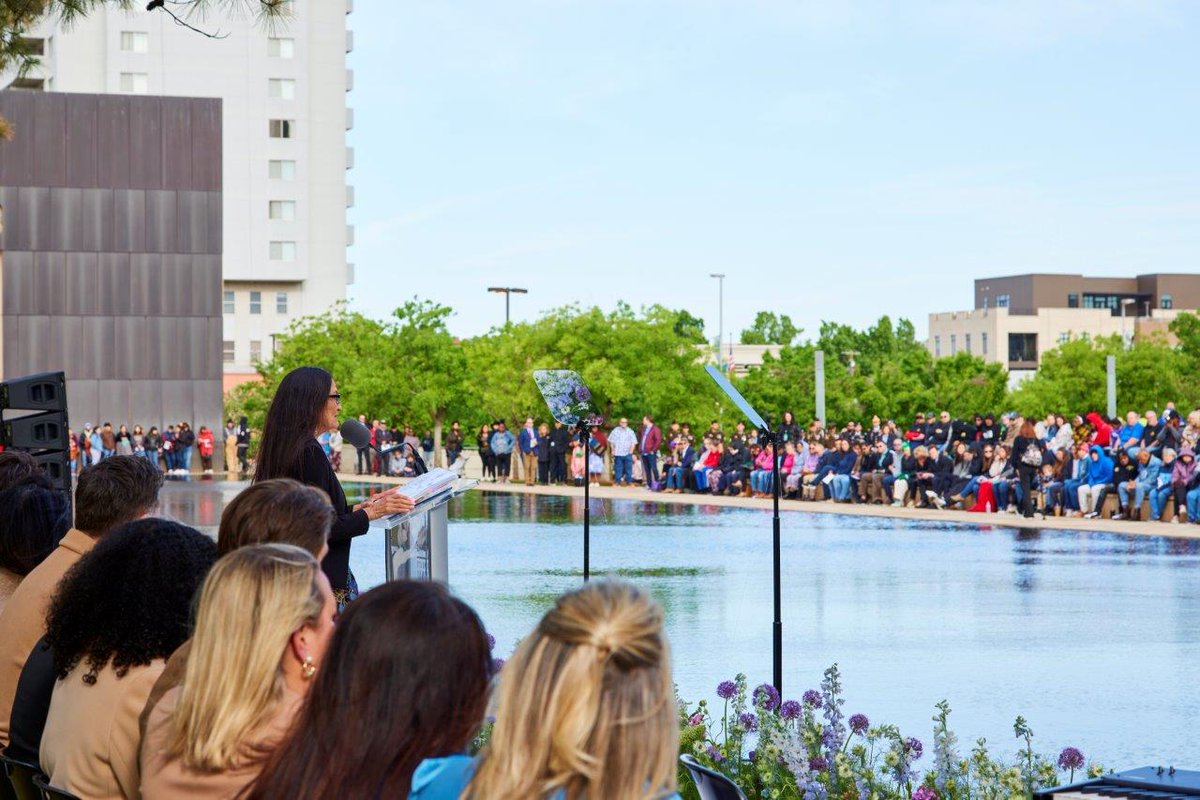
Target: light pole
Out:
[720,276]
[508,292]
[1125,336]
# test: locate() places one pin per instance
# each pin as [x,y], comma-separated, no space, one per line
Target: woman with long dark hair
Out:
[306,404]
[425,657]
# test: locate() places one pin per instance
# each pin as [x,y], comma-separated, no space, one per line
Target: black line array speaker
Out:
[33,418]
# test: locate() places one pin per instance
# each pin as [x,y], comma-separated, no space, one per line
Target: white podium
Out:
[415,543]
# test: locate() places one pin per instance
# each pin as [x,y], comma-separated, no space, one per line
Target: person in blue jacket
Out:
[1100,473]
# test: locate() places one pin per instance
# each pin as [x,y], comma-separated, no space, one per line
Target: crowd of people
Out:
[143,659]
[1056,465]
[170,449]
[401,448]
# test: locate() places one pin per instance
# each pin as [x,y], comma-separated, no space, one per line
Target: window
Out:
[1022,348]
[281,88]
[283,128]
[283,209]
[1167,302]
[135,82]
[1063,338]
[1001,301]
[34,47]
[282,170]
[937,346]
[255,350]
[227,351]
[283,251]
[135,41]
[967,342]
[229,308]
[983,342]
[256,302]
[278,47]
[953,344]
[1072,300]
[281,302]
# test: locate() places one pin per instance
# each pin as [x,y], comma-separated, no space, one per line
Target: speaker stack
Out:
[33,418]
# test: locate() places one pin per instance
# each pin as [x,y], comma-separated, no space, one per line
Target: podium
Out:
[415,544]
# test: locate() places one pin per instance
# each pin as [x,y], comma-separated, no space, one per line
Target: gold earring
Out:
[308,668]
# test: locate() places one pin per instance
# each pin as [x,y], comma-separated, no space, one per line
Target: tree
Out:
[19,17]
[770,328]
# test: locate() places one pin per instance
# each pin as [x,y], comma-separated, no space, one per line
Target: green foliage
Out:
[770,328]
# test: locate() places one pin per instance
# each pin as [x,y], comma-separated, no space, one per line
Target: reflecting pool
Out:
[1091,637]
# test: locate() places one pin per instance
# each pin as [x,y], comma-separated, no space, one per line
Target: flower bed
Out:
[807,749]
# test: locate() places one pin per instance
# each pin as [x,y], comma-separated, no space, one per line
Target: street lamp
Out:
[507,291]
[720,276]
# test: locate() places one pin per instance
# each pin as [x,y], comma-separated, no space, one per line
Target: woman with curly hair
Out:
[586,705]
[262,626]
[400,695]
[119,612]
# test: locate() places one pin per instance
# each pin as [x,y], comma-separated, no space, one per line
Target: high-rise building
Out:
[285,117]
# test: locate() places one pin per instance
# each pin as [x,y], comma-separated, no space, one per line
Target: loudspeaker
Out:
[46,431]
[46,391]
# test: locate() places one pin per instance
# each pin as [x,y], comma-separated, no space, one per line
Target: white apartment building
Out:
[285,117]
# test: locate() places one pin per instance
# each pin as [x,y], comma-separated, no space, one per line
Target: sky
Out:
[835,160]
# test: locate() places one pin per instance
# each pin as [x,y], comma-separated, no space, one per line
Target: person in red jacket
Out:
[649,440]
[206,442]
[1102,434]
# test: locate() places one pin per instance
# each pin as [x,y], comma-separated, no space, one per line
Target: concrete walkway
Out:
[1183,531]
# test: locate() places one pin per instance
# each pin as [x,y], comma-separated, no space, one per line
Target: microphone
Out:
[359,436]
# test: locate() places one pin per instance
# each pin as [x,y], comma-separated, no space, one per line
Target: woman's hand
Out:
[386,504]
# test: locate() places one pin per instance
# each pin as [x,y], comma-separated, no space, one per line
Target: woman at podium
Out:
[306,405]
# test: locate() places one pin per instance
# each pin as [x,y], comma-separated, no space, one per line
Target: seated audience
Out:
[262,626]
[404,681]
[108,494]
[115,618]
[33,518]
[586,704]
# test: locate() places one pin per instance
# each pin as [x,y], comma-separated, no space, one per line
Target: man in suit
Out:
[527,442]
[649,440]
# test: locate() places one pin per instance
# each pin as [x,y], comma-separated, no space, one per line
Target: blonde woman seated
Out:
[264,619]
[586,706]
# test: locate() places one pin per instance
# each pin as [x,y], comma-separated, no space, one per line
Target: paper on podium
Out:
[431,484]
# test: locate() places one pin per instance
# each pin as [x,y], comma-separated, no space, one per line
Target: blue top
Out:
[446,778]
[502,442]
[1101,470]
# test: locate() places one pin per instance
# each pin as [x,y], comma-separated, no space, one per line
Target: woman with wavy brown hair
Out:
[586,705]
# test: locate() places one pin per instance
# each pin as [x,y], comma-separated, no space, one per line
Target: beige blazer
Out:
[90,745]
[166,778]
[23,620]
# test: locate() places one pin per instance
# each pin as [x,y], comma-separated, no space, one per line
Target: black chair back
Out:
[49,792]
[20,778]
[711,784]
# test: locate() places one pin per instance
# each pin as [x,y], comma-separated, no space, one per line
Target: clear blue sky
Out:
[837,160]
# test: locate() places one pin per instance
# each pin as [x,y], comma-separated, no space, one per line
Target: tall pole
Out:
[507,291]
[777,625]
[720,276]
[1112,386]
[819,368]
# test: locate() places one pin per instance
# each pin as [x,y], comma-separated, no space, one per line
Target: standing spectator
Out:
[483,440]
[85,446]
[124,442]
[206,443]
[336,443]
[186,439]
[622,441]
[578,461]
[427,448]
[789,431]
[1029,451]
[543,454]
[560,443]
[243,444]
[170,449]
[73,451]
[97,439]
[362,462]
[502,445]
[154,445]
[412,443]
[380,439]
[649,441]
[230,444]
[527,441]
[108,441]
[139,442]
[454,444]
[597,444]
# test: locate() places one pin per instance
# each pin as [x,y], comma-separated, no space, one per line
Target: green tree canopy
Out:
[770,328]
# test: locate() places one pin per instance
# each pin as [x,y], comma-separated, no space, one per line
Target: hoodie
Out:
[1102,430]
[1183,472]
[1100,470]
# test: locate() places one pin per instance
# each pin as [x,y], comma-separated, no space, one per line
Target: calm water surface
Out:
[1092,637]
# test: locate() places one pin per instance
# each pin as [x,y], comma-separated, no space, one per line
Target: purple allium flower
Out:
[753,754]
[766,696]
[726,689]
[1070,758]
[812,698]
[925,793]
[748,721]
[915,748]
[696,719]
[582,394]
[818,763]
[715,754]
[859,723]
[790,710]
[497,665]
[491,642]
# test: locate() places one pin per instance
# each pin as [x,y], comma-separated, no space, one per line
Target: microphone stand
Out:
[585,432]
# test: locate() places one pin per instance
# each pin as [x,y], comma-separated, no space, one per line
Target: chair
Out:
[711,784]
[49,792]
[20,778]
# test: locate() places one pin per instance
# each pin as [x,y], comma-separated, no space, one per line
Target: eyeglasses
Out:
[336,398]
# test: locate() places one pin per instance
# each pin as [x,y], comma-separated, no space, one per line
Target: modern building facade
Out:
[110,253]
[285,117]
[1019,317]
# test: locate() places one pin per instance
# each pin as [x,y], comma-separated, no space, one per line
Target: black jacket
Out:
[560,440]
[316,471]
